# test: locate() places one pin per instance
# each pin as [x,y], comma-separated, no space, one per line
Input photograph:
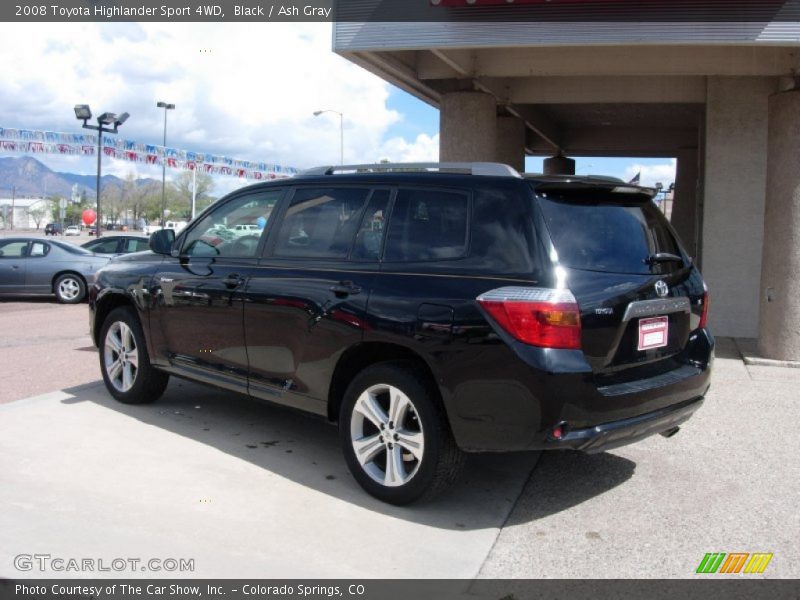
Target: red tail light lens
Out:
[704,315]
[538,316]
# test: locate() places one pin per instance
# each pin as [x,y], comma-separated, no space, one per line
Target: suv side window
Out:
[217,234]
[427,225]
[320,223]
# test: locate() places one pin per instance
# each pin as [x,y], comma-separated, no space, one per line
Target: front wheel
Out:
[395,436]
[124,360]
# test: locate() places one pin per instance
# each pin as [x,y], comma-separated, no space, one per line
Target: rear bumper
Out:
[518,407]
[626,431]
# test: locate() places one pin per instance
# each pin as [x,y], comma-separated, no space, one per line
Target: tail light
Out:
[538,316]
[704,315]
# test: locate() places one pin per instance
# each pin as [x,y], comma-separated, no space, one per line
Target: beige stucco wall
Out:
[468,127]
[733,213]
[684,208]
[779,335]
[510,143]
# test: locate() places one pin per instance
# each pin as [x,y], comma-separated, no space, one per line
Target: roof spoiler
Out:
[616,189]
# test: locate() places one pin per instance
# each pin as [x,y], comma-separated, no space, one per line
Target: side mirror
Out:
[161,241]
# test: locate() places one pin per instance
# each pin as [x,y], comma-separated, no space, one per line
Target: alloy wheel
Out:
[69,288]
[121,356]
[387,435]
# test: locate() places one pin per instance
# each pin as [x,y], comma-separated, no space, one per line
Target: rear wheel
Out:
[395,435]
[69,288]
[124,361]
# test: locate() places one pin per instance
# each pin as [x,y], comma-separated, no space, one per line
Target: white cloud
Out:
[424,149]
[243,90]
[652,174]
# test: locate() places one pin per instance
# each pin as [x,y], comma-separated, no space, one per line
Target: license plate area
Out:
[653,333]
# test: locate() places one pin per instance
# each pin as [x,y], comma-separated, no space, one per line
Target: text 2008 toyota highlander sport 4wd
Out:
[427,310]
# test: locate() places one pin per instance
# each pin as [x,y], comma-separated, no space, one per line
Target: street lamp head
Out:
[318,113]
[107,118]
[165,105]
[83,112]
[121,119]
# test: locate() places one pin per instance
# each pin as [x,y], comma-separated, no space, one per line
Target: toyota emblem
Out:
[661,289]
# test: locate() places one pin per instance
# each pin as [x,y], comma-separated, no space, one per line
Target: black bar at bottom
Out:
[707,587]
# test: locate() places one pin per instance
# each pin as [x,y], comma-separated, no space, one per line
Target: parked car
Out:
[246,229]
[92,230]
[461,308]
[33,266]
[177,226]
[72,230]
[118,244]
[53,229]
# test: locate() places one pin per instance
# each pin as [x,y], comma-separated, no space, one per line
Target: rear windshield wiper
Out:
[660,257]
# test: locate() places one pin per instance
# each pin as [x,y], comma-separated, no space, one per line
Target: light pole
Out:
[166,107]
[104,121]
[341,131]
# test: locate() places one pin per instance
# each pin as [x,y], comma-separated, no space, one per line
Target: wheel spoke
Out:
[127,377]
[398,406]
[367,448]
[413,441]
[113,344]
[368,406]
[127,338]
[114,370]
[395,473]
[133,357]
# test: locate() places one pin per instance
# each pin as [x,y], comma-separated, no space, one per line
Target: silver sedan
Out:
[35,266]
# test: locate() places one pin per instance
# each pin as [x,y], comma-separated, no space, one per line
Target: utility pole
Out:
[194,189]
[13,201]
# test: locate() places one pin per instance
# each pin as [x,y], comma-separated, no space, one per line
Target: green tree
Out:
[181,206]
[41,212]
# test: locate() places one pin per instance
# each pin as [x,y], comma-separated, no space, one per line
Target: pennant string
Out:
[53,142]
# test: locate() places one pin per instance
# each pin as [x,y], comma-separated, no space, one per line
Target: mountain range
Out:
[31,177]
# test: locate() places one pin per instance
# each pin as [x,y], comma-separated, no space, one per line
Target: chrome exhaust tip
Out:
[668,433]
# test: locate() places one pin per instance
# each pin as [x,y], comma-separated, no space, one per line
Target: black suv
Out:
[427,309]
[53,229]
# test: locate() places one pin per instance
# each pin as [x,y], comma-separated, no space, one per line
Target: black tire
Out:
[148,383]
[441,461]
[69,288]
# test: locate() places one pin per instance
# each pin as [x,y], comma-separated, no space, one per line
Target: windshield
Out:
[615,237]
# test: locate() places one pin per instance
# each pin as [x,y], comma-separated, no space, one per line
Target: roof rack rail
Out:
[471,168]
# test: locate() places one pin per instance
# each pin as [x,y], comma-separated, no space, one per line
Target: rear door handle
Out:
[345,288]
[233,281]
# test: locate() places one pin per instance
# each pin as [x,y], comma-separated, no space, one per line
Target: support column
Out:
[779,322]
[511,142]
[468,127]
[684,204]
[733,209]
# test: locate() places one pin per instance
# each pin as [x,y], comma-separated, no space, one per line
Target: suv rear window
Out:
[427,225]
[615,237]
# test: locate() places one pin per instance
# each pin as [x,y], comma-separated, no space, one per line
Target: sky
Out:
[241,93]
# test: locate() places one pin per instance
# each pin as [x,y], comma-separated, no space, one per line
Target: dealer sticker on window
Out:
[653,333]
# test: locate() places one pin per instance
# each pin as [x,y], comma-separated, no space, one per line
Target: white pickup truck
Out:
[177,226]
